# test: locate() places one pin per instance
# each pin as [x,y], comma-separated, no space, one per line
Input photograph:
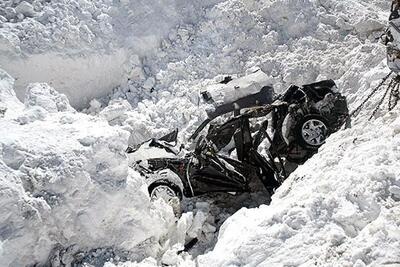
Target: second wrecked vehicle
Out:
[253,134]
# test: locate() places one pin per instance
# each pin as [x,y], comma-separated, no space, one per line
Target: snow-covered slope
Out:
[65,185]
[293,42]
[341,208]
[337,209]
[85,48]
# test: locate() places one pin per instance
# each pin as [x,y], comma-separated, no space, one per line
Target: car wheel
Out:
[168,191]
[312,131]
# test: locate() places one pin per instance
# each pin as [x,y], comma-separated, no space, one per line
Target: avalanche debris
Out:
[65,184]
[66,192]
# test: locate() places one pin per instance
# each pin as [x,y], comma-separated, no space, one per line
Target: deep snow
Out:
[65,184]
[86,48]
[293,42]
[341,208]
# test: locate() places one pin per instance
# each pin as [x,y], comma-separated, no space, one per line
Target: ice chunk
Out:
[26,9]
[149,83]
[9,104]
[32,114]
[116,112]
[65,185]
[197,225]
[12,157]
[10,13]
[41,94]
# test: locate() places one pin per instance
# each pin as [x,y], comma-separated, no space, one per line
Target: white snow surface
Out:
[65,185]
[293,42]
[86,48]
[341,208]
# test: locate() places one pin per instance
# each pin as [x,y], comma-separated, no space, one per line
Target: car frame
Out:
[315,110]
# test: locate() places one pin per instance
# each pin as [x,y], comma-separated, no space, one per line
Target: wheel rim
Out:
[163,192]
[314,132]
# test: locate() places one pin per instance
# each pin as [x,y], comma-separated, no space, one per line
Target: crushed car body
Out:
[251,134]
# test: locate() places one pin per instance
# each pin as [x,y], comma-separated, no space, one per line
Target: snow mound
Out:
[293,42]
[338,209]
[84,48]
[9,104]
[42,95]
[65,184]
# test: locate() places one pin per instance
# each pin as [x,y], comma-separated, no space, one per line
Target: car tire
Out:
[312,131]
[169,192]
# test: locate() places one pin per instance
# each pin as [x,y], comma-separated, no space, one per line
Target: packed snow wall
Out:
[293,42]
[83,47]
[65,184]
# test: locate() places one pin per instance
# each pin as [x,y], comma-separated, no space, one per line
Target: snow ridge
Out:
[338,209]
[64,180]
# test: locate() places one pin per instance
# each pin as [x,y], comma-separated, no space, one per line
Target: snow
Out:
[338,209]
[236,38]
[81,77]
[9,103]
[86,48]
[64,180]
[137,68]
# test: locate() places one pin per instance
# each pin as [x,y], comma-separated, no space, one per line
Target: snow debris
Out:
[67,195]
[65,185]
[42,95]
[86,48]
[338,209]
[25,9]
[237,37]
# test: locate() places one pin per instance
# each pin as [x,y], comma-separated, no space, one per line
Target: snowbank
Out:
[80,77]
[341,208]
[83,48]
[293,42]
[65,184]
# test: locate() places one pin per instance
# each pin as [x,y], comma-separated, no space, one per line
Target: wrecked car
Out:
[251,134]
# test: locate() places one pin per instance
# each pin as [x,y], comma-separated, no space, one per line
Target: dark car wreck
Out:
[252,134]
